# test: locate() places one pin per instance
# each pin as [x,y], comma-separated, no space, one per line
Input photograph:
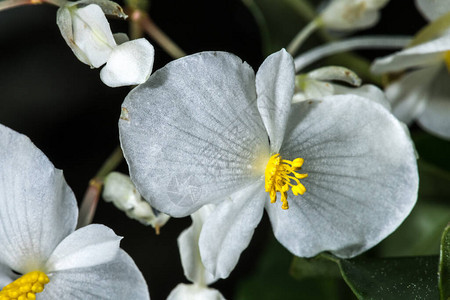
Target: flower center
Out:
[25,287]
[278,178]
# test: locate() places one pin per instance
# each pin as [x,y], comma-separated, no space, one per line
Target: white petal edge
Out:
[86,247]
[192,132]
[229,228]
[425,54]
[275,82]
[130,63]
[37,207]
[189,250]
[362,177]
[120,278]
[367,91]
[194,292]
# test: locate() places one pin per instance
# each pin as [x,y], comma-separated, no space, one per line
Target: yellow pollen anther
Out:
[278,178]
[25,287]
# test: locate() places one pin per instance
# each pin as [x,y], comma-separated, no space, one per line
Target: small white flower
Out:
[86,30]
[205,130]
[38,215]
[194,270]
[344,15]
[120,190]
[423,92]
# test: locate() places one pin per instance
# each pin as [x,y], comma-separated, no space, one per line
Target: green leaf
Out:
[392,278]
[444,265]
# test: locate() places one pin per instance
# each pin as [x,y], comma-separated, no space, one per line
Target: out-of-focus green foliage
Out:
[444,265]
[271,280]
[302,268]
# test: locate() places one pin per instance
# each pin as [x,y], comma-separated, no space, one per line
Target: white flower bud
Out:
[120,190]
[347,15]
[86,30]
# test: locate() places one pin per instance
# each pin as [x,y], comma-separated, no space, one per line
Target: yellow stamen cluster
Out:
[278,178]
[25,287]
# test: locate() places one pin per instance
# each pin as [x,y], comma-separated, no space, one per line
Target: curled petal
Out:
[419,56]
[189,249]
[129,63]
[192,133]
[229,229]
[362,177]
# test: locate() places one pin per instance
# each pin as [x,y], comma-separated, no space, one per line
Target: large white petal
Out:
[421,55]
[194,292]
[129,63]
[92,34]
[229,229]
[37,207]
[117,279]
[189,250]
[433,9]
[192,132]
[410,93]
[275,81]
[436,115]
[362,177]
[88,246]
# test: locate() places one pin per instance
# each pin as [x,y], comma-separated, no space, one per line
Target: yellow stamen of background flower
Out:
[447,60]
[25,287]
[278,178]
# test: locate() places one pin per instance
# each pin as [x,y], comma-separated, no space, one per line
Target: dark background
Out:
[61,104]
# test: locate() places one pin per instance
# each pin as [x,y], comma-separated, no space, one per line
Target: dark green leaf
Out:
[444,265]
[392,278]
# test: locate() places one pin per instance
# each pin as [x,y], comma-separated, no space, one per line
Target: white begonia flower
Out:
[433,9]
[120,190]
[345,15]
[38,214]
[194,270]
[423,93]
[86,30]
[205,130]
